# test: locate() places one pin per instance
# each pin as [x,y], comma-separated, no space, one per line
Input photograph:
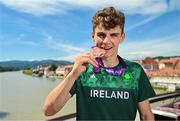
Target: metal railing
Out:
[161,97]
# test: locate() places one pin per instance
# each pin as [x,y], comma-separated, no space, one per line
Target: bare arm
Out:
[145,111]
[60,95]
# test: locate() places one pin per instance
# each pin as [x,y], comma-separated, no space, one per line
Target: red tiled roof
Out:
[149,60]
[169,69]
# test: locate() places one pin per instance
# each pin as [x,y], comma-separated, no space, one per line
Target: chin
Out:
[107,55]
[110,54]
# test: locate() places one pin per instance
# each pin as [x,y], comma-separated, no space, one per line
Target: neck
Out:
[111,61]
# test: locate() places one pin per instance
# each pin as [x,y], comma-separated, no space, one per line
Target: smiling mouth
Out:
[107,48]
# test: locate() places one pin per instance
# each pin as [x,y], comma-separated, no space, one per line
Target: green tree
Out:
[53,67]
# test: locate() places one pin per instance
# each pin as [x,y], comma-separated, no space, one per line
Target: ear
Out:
[122,37]
[92,35]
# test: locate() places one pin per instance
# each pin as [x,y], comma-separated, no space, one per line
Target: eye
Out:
[101,35]
[114,35]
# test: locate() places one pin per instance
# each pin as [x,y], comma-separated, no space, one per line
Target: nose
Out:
[107,39]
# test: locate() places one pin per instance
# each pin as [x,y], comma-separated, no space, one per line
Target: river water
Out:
[22,97]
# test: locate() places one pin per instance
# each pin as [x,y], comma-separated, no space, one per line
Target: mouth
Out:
[107,48]
[104,48]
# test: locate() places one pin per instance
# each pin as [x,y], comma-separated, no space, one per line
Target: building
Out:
[46,71]
[67,69]
[60,71]
[149,64]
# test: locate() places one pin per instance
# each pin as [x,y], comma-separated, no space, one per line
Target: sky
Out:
[61,29]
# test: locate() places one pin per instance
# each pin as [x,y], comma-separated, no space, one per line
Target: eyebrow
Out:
[105,33]
[101,33]
[115,33]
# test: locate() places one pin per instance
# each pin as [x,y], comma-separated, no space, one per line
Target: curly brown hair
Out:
[109,18]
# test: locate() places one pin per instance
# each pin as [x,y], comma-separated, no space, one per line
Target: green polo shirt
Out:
[101,96]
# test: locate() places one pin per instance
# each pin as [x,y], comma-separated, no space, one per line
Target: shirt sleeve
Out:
[73,89]
[145,89]
[82,76]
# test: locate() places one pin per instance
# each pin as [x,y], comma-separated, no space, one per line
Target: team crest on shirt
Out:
[127,76]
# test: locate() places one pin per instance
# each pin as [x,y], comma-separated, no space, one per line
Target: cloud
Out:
[70,57]
[52,43]
[14,42]
[143,22]
[35,7]
[28,43]
[20,40]
[50,7]
[167,46]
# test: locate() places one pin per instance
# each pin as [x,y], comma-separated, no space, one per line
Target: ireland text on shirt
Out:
[110,94]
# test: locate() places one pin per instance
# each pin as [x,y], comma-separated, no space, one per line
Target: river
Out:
[22,97]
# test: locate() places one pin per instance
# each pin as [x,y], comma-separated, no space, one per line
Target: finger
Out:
[97,52]
[89,60]
[88,55]
[98,44]
[102,54]
[97,49]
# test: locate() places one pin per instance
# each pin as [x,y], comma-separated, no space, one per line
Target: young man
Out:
[112,90]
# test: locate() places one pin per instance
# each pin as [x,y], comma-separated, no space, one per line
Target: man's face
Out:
[108,39]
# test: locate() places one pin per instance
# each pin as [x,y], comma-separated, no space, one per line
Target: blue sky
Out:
[61,29]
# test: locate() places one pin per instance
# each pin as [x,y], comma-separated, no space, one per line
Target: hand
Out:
[97,52]
[89,58]
[82,61]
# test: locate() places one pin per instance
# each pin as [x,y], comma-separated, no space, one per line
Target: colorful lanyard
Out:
[112,71]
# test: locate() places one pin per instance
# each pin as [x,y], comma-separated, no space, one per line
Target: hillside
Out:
[30,64]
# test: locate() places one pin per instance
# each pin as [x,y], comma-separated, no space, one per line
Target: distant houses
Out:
[161,67]
[60,71]
[67,69]
[46,70]
[39,70]
[150,64]
[52,71]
